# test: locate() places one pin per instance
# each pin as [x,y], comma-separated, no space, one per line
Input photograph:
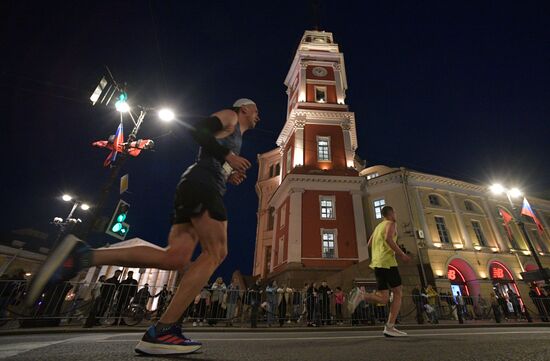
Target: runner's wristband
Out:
[204,135]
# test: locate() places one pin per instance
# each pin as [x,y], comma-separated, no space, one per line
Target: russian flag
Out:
[119,139]
[526,210]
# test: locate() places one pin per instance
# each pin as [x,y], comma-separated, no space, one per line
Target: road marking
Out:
[351,337]
[14,349]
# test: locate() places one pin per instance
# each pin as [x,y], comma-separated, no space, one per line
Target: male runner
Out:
[384,263]
[199,216]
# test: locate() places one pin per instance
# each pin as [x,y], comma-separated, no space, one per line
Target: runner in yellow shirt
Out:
[384,262]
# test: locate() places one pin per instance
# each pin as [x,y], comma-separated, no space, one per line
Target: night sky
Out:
[460,91]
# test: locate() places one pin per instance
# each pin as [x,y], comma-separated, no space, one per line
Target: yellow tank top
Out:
[382,256]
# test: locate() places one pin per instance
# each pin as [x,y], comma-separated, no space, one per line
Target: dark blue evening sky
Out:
[456,89]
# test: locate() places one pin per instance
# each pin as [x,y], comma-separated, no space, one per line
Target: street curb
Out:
[139,329]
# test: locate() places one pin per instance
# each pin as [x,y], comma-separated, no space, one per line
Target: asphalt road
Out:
[514,343]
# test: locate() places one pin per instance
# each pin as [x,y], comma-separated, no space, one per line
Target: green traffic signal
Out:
[116,227]
[121,217]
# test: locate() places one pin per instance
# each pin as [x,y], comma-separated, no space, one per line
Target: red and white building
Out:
[310,216]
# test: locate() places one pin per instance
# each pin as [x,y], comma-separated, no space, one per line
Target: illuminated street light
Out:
[166,115]
[543,273]
[497,188]
[84,206]
[122,106]
[66,197]
[515,192]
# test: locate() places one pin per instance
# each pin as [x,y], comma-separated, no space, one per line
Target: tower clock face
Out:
[319,71]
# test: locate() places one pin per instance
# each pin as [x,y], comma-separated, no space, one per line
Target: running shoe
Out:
[354,301]
[63,263]
[169,342]
[393,332]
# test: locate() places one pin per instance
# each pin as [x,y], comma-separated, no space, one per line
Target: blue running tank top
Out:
[208,170]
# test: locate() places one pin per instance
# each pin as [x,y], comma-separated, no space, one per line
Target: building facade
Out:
[457,230]
[310,216]
[318,204]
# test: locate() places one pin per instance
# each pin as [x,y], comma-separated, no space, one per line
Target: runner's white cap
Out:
[243,101]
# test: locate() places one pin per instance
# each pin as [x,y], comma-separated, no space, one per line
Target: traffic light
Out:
[117,227]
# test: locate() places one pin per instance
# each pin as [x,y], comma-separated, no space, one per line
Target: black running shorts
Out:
[193,199]
[387,278]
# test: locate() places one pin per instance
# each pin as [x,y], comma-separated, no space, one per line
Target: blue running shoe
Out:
[63,263]
[169,342]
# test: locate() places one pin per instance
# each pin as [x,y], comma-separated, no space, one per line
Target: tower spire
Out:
[315,12]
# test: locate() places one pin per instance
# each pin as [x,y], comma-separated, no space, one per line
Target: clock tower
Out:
[310,214]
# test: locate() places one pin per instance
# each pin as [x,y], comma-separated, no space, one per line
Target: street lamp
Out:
[166,115]
[514,193]
[64,223]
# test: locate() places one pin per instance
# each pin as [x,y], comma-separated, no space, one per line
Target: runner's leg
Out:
[396,304]
[212,235]
[182,241]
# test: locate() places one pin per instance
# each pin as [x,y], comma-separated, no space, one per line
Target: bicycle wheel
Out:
[133,315]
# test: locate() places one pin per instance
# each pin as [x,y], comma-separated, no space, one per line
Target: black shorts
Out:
[193,199]
[387,278]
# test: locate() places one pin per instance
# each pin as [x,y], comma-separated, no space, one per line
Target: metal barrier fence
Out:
[111,304]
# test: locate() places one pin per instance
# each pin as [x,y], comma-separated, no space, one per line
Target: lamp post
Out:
[122,106]
[513,193]
[63,223]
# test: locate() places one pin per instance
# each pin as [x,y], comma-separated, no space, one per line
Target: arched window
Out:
[469,206]
[434,200]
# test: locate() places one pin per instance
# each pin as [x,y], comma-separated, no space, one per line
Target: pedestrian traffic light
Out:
[117,227]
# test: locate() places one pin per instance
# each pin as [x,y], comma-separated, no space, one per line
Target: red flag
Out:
[507,217]
[526,210]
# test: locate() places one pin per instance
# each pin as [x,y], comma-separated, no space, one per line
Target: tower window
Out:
[320,94]
[479,234]
[442,230]
[327,207]
[329,243]
[378,205]
[288,161]
[323,149]
[271,218]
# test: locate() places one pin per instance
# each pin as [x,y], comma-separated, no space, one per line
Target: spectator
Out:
[324,302]
[271,299]
[97,303]
[419,304]
[142,296]
[163,297]
[296,304]
[254,298]
[231,299]
[514,300]
[126,291]
[218,291]
[495,306]
[431,306]
[108,291]
[339,299]
[201,304]
[311,293]
[460,307]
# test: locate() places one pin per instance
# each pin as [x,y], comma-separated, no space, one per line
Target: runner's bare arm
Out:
[390,231]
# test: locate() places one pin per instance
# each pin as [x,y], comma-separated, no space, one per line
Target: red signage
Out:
[451,275]
[497,272]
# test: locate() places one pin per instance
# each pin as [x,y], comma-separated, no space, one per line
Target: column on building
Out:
[502,245]
[360,231]
[467,241]
[275,227]
[350,152]
[302,86]
[340,97]
[299,124]
[422,218]
[295,226]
